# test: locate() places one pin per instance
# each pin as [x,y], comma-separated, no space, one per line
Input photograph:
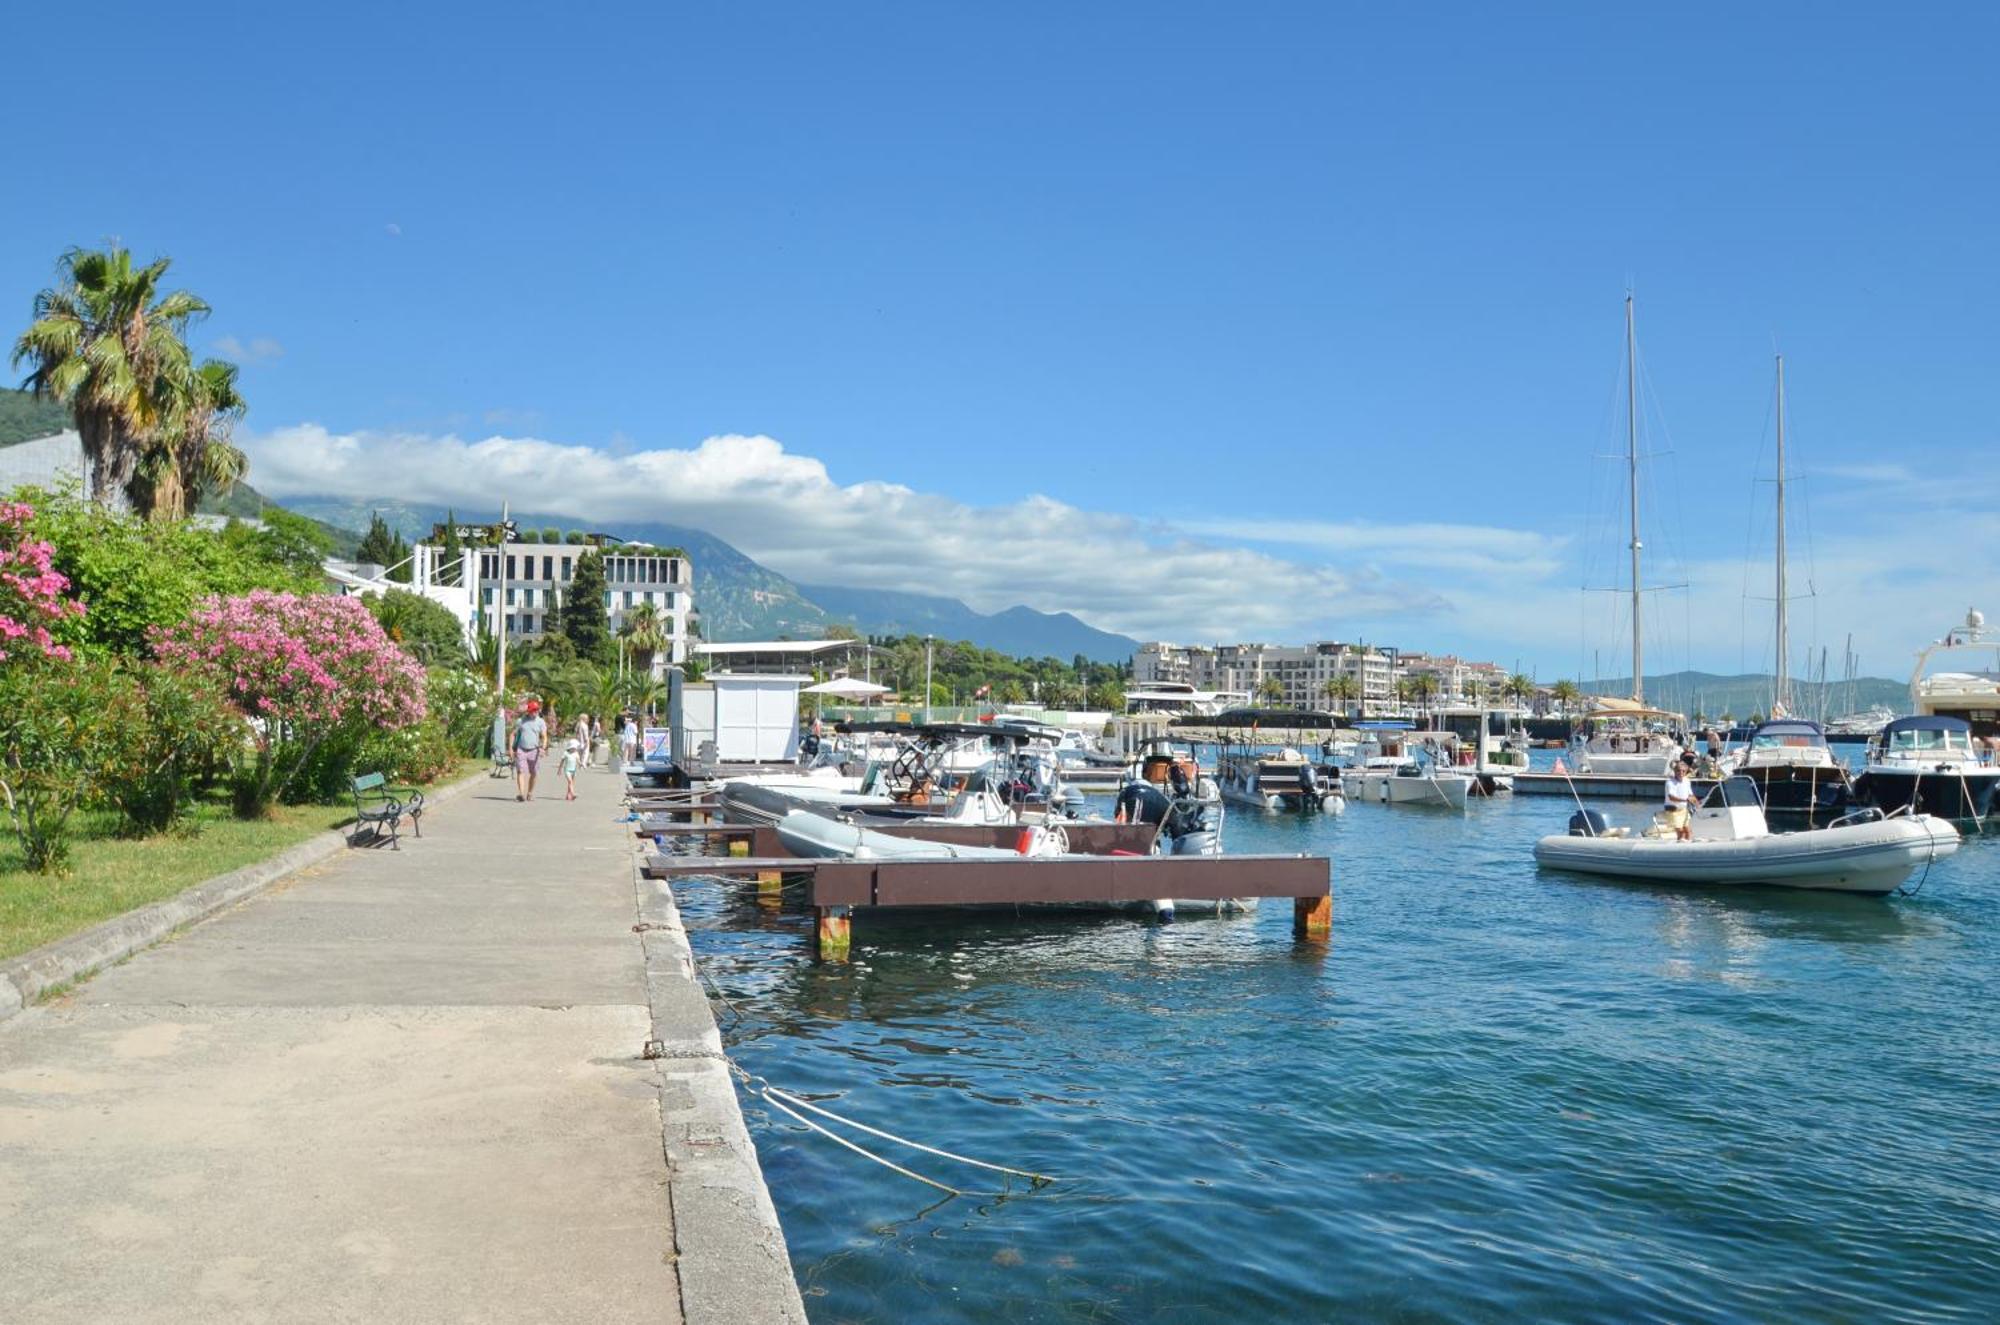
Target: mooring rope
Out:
[1038,1178]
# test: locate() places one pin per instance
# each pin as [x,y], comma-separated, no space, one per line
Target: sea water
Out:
[1497,1094]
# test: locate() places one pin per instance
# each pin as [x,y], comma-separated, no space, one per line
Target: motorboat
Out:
[1622,737]
[1930,764]
[816,835]
[1795,770]
[1971,695]
[1392,777]
[1286,780]
[1868,852]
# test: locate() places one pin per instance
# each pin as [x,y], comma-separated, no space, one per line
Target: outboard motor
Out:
[1309,784]
[1143,803]
[1588,823]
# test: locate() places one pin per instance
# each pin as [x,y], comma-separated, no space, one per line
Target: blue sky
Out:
[1297,321]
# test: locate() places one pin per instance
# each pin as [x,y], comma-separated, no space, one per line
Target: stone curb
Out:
[26,979]
[729,1247]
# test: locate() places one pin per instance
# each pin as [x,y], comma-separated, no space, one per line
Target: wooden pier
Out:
[1108,866]
[1601,786]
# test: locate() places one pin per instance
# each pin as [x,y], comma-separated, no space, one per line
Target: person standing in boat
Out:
[1680,800]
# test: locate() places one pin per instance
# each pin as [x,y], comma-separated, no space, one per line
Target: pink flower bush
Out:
[302,668]
[31,593]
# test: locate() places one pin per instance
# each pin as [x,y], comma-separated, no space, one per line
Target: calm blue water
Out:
[1497,1095]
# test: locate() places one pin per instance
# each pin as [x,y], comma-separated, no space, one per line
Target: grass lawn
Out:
[110,875]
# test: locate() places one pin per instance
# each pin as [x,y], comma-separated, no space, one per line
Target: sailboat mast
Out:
[1781,687]
[1632,477]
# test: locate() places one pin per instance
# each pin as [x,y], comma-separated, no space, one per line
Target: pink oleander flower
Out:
[31,592]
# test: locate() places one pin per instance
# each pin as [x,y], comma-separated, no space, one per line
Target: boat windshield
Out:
[1796,740]
[1737,793]
[1921,740]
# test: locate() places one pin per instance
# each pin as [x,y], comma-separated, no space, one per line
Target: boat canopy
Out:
[1790,727]
[1386,725]
[1605,706]
[1927,722]
[937,730]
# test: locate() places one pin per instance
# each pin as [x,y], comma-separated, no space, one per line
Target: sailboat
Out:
[1787,758]
[1622,736]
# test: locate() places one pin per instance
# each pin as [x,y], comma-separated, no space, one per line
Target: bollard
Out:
[835,933]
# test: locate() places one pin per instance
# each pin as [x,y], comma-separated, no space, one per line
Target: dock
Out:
[1108,866]
[1601,786]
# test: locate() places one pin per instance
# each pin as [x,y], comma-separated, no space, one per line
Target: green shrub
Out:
[175,731]
[59,732]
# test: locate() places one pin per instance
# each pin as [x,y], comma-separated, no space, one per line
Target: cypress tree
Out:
[583,618]
[451,550]
[399,559]
[378,544]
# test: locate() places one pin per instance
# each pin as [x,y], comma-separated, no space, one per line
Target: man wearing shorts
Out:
[531,737]
[1680,799]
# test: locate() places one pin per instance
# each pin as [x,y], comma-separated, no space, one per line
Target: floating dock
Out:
[1601,786]
[1107,866]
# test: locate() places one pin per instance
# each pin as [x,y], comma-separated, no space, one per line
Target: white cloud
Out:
[786,511]
[392,229]
[259,349]
[1510,594]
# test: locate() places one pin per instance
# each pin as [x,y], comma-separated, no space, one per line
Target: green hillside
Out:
[23,418]
[1714,696]
[246,503]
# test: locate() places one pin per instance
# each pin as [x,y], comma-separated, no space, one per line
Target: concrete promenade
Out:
[404,1086]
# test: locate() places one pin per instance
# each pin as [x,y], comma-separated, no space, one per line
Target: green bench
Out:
[377,803]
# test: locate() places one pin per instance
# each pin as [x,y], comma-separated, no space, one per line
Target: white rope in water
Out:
[903,1141]
[890,1164]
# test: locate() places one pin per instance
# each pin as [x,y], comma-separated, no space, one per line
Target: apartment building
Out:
[1302,672]
[522,584]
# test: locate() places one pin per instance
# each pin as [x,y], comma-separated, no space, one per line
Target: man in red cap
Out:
[531,737]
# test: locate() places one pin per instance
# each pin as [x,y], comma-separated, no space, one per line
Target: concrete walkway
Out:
[399,1087]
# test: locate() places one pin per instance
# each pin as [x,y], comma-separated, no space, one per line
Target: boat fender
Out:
[1025,844]
[1587,823]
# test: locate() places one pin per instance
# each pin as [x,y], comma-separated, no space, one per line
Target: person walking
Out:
[572,753]
[629,740]
[531,737]
[1680,800]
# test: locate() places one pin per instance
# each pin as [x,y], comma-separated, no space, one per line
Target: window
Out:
[568,569]
[548,568]
[510,567]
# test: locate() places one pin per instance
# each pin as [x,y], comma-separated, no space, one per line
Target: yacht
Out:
[1286,780]
[1624,737]
[1929,763]
[1793,768]
[1178,698]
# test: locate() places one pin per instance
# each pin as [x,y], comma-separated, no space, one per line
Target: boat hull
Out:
[1963,795]
[1871,859]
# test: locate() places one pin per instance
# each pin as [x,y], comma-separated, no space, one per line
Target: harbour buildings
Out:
[1304,675]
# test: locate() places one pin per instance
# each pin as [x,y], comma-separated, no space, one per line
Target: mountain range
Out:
[740,599]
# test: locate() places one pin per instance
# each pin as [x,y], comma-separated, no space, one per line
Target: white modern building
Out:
[1302,671]
[523,584]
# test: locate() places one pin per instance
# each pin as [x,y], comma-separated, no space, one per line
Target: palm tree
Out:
[190,454]
[1272,691]
[1565,694]
[108,344]
[1423,687]
[644,630]
[1518,687]
[1341,691]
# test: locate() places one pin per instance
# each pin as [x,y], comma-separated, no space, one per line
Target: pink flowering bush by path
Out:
[303,669]
[31,592]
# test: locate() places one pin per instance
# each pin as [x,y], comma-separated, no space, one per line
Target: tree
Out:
[290,540]
[1341,691]
[551,534]
[1423,688]
[575,536]
[190,455]
[107,343]
[645,632]
[426,629]
[1565,694]
[1519,687]
[451,551]
[584,620]
[378,545]
[1272,691]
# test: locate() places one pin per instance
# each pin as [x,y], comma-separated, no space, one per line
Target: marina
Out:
[1483,1046]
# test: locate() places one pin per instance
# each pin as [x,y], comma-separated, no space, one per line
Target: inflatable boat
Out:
[1867,852]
